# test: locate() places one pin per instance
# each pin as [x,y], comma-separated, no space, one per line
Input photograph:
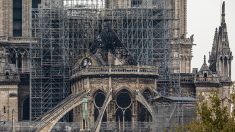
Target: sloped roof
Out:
[174,99]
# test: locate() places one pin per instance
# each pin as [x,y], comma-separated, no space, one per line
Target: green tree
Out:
[213,116]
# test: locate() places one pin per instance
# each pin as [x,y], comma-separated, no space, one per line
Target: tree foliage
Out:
[213,116]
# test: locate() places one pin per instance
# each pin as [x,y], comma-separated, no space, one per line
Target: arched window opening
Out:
[205,75]
[99,98]
[226,67]
[147,94]
[143,114]
[128,115]
[123,104]
[96,115]
[119,115]
[25,109]
[19,61]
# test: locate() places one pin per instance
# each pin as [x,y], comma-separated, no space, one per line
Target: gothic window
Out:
[86,62]
[17,18]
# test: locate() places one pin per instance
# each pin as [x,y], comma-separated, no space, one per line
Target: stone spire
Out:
[221,55]
[223,13]
[213,53]
[214,47]
[223,35]
[204,66]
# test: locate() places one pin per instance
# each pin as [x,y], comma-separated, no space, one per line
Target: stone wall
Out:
[9,102]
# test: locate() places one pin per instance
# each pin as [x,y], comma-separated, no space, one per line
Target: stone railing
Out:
[207,79]
[182,41]
[9,78]
[187,78]
[23,70]
[22,40]
[3,39]
[225,79]
[186,41]
[16,40]
[116,70]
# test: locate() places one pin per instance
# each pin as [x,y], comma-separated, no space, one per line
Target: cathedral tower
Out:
[15,39]
[14,18]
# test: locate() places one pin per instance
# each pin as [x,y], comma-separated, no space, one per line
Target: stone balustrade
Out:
[9,78]
[116,70]
[3,39]
[16,40]
[23,70]
[207,79]
[187,80]
[186,41]
[182,41]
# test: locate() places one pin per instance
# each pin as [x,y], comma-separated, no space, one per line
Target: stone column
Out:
[22,62]
[112,110]
[229,69]
[88,83]
[222,66]
[28,61]
[189,65]
[134,114]
[182,69]
[16,60]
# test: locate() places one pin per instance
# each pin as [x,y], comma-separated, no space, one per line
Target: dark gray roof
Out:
[175,98]
[181,98]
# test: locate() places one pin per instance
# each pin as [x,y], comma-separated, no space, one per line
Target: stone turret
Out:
[205,76]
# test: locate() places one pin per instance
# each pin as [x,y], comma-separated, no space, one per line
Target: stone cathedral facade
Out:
[15,39]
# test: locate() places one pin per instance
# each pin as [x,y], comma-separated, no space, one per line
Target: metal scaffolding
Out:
[150,32]
[49,60]
[67,29]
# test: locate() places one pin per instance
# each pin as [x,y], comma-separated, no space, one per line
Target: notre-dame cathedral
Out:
[130,55]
